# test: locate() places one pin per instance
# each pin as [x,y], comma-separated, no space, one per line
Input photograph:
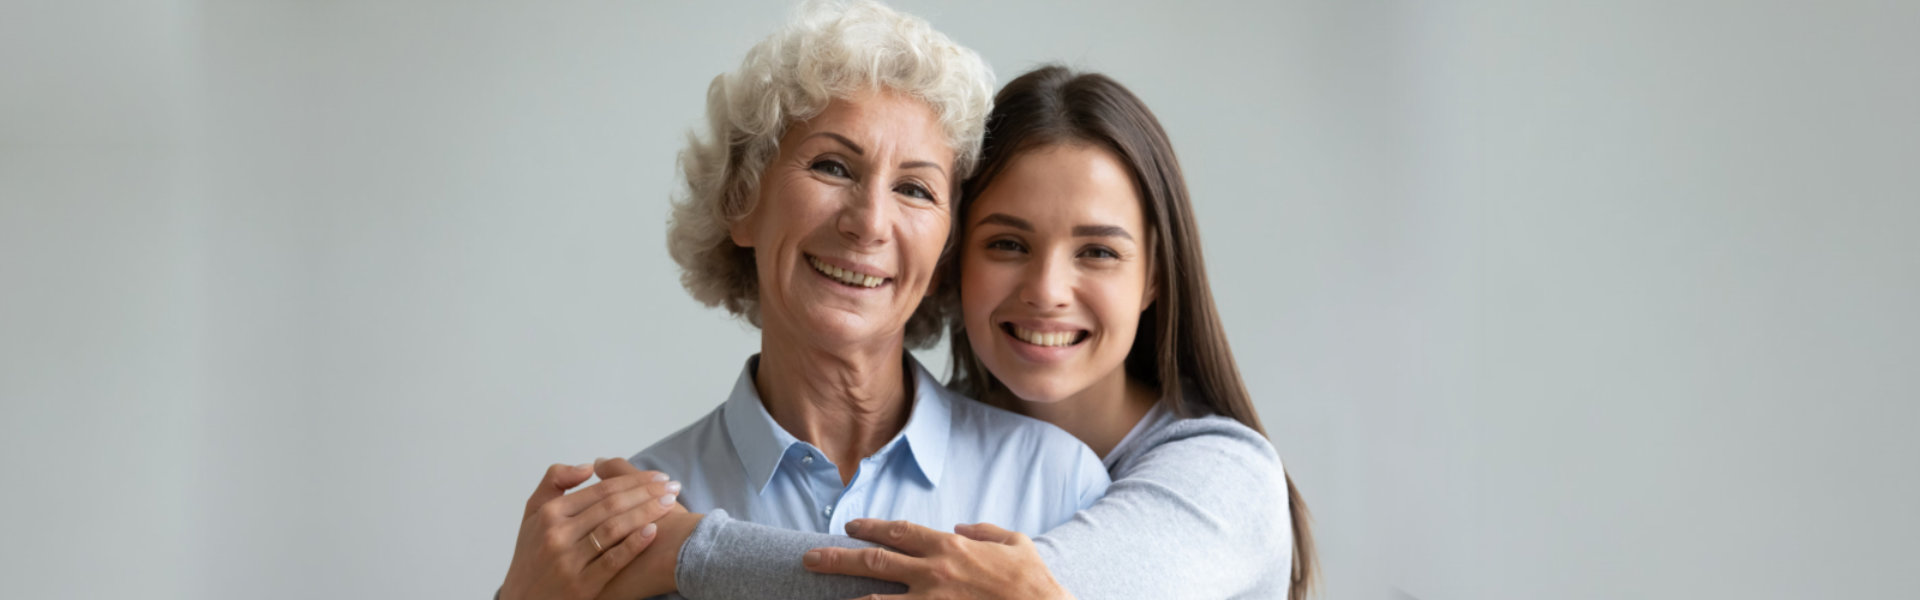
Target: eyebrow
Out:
[858,151]
[1078,230]
[916,164]
[1007,220]
[1112,231]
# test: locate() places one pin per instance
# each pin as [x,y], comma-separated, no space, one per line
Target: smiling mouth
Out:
[1054,339]
[845,277]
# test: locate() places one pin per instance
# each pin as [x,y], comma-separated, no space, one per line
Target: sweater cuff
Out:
[690,568]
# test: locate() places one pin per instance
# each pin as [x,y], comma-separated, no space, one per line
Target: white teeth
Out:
[845,276]
[1063,338]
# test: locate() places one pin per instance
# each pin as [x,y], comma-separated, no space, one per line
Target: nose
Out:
[1048,284]
[867,218]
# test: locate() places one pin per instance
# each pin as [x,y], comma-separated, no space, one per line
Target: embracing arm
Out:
[1200,514]
[727,558]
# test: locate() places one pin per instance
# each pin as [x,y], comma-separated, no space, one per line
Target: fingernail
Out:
[811,558]
[668,499]
[583,465]
[853,528]
[647,532]
[661,477]
[673,486]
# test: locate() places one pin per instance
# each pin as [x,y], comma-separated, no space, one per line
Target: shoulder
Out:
[1211,433]
[1009,440]
[680,453]
[988,424]
[1205,447]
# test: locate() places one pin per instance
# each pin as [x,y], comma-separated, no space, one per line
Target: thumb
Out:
[556,482]
[609,468]
[986,532]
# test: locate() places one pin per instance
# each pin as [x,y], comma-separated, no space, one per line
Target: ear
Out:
[741,230]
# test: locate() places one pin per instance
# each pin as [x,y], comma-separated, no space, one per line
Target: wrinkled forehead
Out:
[883,123]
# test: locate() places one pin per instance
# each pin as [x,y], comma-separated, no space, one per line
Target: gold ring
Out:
[596,543]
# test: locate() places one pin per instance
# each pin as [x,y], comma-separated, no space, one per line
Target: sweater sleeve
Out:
[1200,513]
[727,558]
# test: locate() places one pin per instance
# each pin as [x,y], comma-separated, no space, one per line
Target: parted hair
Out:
[828,49]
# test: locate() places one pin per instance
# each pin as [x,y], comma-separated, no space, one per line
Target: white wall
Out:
[299,298]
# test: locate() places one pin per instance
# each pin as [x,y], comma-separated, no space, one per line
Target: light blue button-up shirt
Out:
[956,461]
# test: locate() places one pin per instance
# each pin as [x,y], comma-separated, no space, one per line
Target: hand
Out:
[653,573]
[984,561]
[557,555]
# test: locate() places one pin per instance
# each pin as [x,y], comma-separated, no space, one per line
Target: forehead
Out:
[1062,186]
[884,121]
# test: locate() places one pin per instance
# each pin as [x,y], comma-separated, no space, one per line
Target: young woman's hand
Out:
[571,545]
[983,561]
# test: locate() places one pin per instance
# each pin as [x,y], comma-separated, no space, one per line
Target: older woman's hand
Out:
[571,545]
[988,562]
[652,574]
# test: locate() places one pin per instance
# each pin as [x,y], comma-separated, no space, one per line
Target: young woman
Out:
[1083,301]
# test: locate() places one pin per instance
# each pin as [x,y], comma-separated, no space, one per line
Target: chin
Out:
[1035,391]
[841,328]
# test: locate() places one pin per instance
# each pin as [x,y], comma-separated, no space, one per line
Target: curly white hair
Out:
[829,49]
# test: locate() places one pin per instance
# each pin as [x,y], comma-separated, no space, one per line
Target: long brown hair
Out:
[1180,337]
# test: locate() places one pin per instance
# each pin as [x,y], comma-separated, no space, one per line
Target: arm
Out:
[726,558]
[1204,499]
[1209,497]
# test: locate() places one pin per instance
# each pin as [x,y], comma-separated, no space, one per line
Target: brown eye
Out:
[1005,245]
[915,191]
[1099,252]
[830,168]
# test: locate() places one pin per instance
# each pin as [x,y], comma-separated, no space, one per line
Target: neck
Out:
[1100,415]
[847,403]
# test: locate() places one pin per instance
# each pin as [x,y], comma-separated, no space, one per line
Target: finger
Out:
[613,518]
[877,563]
[603,567]
[904,536]
[609,468]
[555,483]
[572,504]
[988,532]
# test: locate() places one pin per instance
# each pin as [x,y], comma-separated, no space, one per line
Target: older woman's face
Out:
[850,220]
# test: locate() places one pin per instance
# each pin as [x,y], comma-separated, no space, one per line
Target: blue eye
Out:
[831,168]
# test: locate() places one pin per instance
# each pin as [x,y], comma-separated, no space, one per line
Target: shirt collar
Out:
[761,443]
[930,424]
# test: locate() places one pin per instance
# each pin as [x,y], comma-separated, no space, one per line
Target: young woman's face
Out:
[1054,271]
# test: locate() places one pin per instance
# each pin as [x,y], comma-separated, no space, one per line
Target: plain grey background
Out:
[1539,300]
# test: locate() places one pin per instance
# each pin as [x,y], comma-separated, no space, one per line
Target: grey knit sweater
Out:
[1198,509]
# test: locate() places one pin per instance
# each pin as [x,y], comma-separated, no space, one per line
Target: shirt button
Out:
[829,510]
[806,460]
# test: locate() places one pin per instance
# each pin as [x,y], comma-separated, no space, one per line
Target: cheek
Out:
[927,236]
[982,288]
[1117,305]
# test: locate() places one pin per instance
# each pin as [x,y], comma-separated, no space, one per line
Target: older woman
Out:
[818,209]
